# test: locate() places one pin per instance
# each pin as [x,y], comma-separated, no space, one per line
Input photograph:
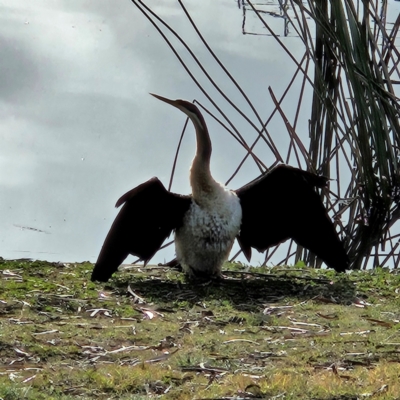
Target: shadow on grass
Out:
[244,291]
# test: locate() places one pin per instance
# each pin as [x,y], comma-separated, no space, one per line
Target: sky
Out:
[78,127]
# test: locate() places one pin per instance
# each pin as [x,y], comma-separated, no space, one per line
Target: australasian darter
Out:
[280,205]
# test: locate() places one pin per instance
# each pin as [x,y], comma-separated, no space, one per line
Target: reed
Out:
[350,62]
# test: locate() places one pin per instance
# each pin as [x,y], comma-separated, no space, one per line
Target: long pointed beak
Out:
[164,99]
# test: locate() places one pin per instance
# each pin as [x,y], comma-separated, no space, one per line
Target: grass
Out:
[283,332]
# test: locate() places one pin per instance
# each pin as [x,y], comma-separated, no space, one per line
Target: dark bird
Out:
[279,205]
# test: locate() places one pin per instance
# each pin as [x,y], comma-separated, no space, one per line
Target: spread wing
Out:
[283,204]
[147,218]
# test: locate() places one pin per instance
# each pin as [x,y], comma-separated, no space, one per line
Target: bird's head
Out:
[188,108]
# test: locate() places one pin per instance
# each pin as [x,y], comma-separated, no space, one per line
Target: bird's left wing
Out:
[283,204]
[147,218]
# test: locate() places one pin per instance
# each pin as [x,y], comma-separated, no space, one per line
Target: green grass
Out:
[289,332]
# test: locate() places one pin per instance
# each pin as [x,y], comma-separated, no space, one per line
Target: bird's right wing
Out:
[147,218]
[283,204]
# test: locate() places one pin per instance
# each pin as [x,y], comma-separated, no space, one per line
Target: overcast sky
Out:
[78,128]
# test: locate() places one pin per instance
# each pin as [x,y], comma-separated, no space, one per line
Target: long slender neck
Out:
[201,181]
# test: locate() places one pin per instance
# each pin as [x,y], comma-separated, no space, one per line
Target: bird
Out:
[281,204]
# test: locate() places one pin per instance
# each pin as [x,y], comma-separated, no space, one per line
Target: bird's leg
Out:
[174,263]
[203,277]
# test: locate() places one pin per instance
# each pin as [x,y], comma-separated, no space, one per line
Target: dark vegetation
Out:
[350,65]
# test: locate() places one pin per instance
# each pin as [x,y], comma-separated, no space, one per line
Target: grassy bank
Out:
[282,333]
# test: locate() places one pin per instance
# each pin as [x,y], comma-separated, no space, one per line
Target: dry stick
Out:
[266,123]
[288,252]
[243,18]
[235,172]
[299,104]
[282,97]
[234,257]
[376,255]
[162,247]
[286,49]
[392,237]
[391,254]
[271,253]
[176,154]
[249,151]
[366,260]
[395,213]
[391,47]
[397,261]
[292,133]
[244,144]
[335,153]
[308,37]
[346,157]
[266,258]
[381,68]
[383,65]
[218,89]
[271,143]
[287,17]
[303,27]
[383,16]
[278,40]
[353,207]
[231,133]
[375,8]
[337,168]
[284,260]
[306,34]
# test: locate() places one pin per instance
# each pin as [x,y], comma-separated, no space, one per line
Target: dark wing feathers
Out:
[147,218]
[280,205]
[283,204]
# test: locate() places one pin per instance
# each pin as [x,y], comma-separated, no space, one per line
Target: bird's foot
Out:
[204,278]
[174,264]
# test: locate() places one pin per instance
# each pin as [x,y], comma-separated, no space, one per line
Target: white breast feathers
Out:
[210,226]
